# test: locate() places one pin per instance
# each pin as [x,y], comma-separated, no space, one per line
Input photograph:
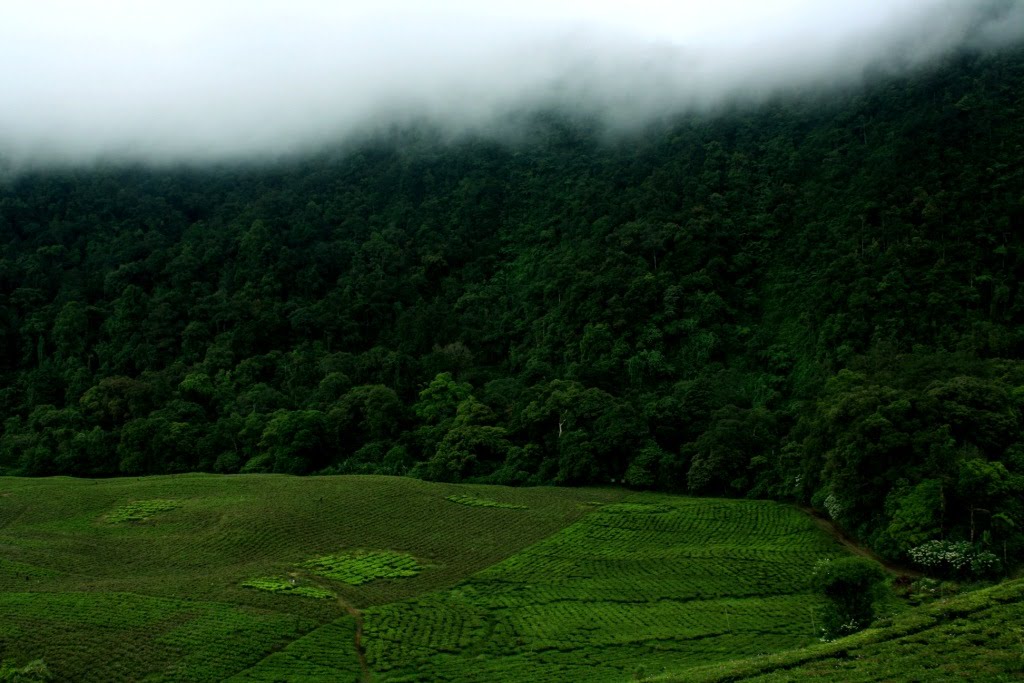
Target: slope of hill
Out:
[201,577]
[977,636]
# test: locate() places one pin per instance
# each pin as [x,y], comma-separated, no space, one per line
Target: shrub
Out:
[274,584]
[851,585]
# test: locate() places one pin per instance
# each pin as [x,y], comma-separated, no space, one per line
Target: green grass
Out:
[327,654]
[575,585]
[91,636]
[475,501]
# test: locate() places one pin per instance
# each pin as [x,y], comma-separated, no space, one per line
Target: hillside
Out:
[817,300]
[457,582]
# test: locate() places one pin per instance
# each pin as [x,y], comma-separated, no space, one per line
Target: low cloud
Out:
[224,80]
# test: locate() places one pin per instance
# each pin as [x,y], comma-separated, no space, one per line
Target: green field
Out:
[273,578]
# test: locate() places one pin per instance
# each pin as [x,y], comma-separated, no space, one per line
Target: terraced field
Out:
[635,586]
[114,636]
[638,586]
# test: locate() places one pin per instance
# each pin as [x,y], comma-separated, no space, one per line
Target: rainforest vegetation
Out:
[817,300]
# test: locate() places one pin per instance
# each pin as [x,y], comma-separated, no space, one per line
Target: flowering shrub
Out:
[955,558]
[839,630]
[834,506]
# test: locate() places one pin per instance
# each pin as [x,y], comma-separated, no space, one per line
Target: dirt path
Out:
[829,527]
[357,615]
[360,652]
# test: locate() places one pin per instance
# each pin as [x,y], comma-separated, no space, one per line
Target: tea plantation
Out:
[191,577]
[650,582]
[356,578]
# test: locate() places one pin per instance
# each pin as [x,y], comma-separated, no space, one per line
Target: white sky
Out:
[197,80]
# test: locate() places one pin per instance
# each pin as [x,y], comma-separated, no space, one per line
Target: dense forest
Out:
[816,300]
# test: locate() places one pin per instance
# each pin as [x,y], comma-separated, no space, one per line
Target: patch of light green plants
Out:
[476,502]
[275,584]
[141,510]
[362,566]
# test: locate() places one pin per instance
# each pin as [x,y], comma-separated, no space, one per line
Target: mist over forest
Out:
[203,82]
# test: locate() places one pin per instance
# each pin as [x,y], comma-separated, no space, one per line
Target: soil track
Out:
[360,652]
[835,532]
[366,676]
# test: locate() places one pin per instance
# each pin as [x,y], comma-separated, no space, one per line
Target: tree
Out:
[295,441]
[851,586]
[441,398]
[980,485]
[918,514]
[367,413]
[644,470]
[468,451]
[720,457]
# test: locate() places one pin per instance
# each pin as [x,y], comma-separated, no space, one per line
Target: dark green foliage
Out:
[814,301]
[851,586]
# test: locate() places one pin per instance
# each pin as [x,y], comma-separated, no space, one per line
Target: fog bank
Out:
[224,80]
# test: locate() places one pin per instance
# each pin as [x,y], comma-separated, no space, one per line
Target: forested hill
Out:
[818,300]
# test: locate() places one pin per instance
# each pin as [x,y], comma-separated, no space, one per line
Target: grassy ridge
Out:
[977,636]
[76,585]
